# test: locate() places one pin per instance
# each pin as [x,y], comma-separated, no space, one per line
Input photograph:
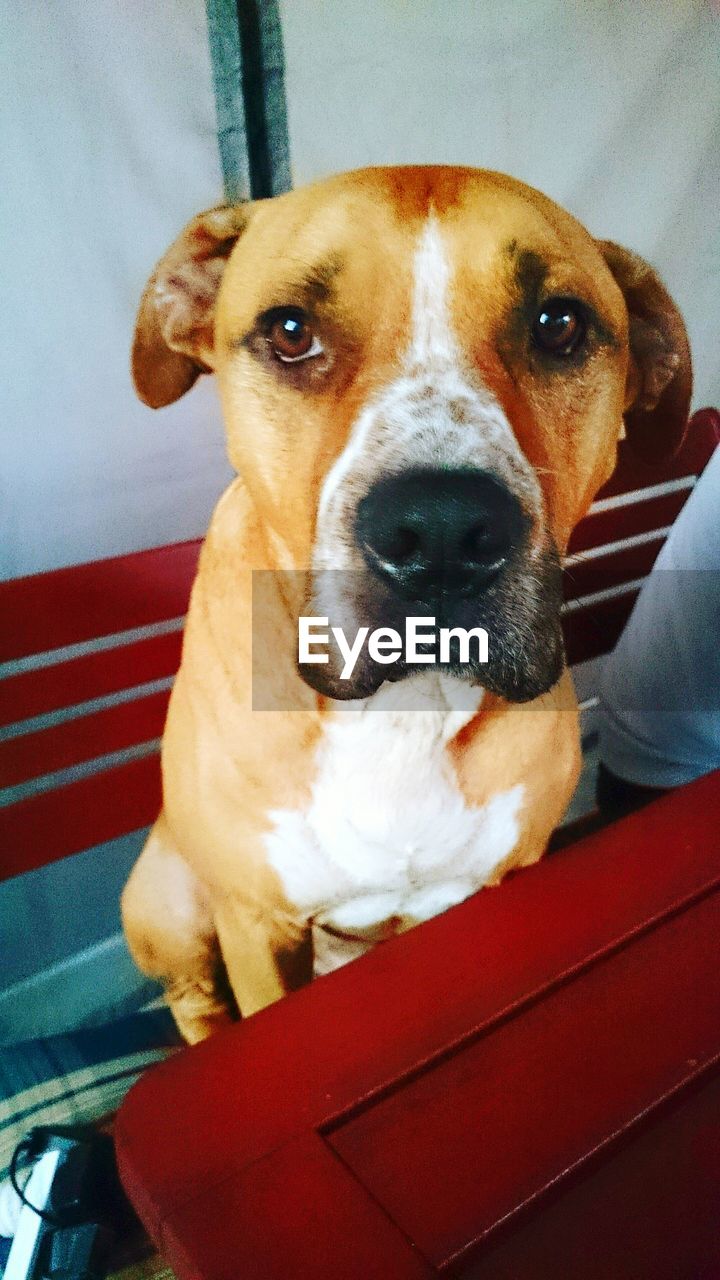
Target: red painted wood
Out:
[53,825]
[595,629]
[702,438]
[84,738]
[706,423]
[597,529]
[649,1212]
[529,1103]
[319,1057]
[94,676]
[50,610]
[345,1233]
[611,570]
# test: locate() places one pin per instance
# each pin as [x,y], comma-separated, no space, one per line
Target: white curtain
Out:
[109,145]
[612,107]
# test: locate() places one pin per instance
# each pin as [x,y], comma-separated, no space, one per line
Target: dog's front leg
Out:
[266,952]
[171,935]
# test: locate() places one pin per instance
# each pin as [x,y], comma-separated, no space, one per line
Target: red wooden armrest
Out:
[526,1086]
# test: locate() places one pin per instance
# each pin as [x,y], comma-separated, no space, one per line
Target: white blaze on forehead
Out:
[435,412]
[431,344]
[432,339]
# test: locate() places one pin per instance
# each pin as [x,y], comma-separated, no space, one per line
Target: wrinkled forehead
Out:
[356,241]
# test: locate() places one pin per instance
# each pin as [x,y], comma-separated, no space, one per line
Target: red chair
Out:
[332,1129]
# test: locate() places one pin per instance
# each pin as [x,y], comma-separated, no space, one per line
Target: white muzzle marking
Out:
[434,414]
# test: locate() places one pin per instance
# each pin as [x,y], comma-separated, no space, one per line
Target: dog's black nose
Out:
[439,532]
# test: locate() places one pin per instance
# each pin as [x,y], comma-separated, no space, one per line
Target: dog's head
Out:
[424,374]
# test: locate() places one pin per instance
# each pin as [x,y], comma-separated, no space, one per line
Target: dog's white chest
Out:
[388,840]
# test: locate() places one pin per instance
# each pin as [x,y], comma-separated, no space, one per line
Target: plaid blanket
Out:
[76,1079]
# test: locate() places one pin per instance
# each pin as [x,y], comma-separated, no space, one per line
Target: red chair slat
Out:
[601,527]
[33,693]
[596,628]
[702,438]
[50,610]
[81,739]
[53,825]
[603,571]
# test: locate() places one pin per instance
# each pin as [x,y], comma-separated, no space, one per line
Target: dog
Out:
[424,374]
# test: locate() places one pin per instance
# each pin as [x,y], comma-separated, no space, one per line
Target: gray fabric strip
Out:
[225,52]
[273,62]
[249,79]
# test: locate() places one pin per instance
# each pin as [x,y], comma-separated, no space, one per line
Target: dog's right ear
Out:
[174,331]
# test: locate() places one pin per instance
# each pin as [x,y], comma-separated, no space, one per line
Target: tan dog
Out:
[424,373]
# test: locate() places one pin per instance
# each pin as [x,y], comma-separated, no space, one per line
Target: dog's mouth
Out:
[358,631]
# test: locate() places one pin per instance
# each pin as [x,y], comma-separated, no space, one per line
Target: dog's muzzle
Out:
[455,550]
[438,536]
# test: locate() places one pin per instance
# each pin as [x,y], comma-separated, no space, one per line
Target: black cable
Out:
[26,1148]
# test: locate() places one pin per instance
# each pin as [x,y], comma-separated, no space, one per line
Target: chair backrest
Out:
[614,548]
[87,656]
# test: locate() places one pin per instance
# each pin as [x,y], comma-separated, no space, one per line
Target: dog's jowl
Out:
[424,374]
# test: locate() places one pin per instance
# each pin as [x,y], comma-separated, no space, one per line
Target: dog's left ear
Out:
[174,330]
[660,371]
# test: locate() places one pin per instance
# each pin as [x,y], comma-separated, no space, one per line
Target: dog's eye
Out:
[291,338]
[559,327]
